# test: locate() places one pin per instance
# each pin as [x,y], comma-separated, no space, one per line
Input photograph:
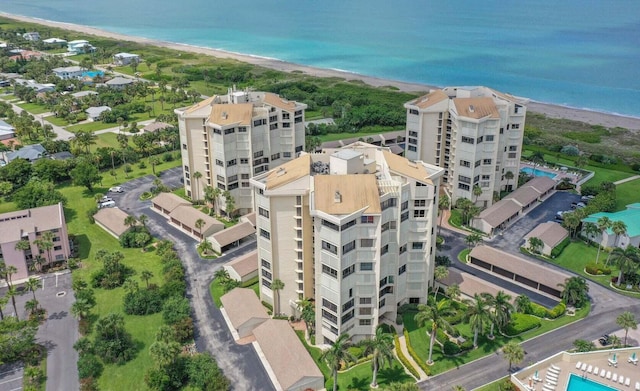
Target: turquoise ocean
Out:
[578,53]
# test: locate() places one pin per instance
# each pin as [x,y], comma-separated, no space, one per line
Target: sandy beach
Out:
[554,111]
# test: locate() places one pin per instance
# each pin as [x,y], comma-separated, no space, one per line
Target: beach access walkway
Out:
[631,178]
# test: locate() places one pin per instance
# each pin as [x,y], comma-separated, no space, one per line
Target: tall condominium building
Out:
[351,228]
[229,138]
[474,133]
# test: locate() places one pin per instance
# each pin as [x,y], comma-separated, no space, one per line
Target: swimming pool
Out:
[93,74]
[577,383]
[538,172]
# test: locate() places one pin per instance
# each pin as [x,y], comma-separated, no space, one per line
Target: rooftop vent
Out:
[337,197]
[224,115]
[471,108]
[281,171]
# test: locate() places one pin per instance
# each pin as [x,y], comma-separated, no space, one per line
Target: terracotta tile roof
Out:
[550,233]
[520,266]
[241,305]
[15,224]
[283,350]
[112,219]
[245,264]
[500,212]
[231,114]
[289,172]
[235,233]
[476,108]
[403,166]
[356,192]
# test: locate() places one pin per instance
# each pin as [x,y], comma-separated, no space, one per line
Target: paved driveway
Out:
[240,363]
[11,377]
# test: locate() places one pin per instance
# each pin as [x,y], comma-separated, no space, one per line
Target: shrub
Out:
[399,320]
[557,250]
[407,307]
[556,311]
[404,360]
[269,306]
[450,348]
[538,310]
[183,330]
[141,165]
[597,269]
[455,318]
[466,345]
[521,323]
[167,157]
[173,289]
[175,309]
[89,366]
[132,238]
[570,150]
[142,302]
[355,351]
[88,384]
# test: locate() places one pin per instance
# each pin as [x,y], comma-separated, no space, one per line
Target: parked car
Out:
[605,340]
[106,199]
[586,199]
[116,189]
[107,204]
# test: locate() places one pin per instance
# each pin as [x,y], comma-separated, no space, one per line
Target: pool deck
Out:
[568,364]
[560,174]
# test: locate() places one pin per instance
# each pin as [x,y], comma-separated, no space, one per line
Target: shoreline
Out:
[551,110]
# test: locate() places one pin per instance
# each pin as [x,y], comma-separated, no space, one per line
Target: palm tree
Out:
[211,195]
[627,260]
[146,275]
[522,304]
[81,308]
[205,247]
[443,204]
[477,192]
[276,286]
[196,179]
[590,230]
[221,274]
[12,292]
[336,355]
[199,224]
[535,244]
[380,347]
[477,315]
[130,221]
[4,300]
[501,308]
[31,306]
[571,222]
[574,291]
[7,271]
[23,245]
[513,352]
[164,353]
[84,139]
[453,291]
[627,321]
[440,273]
[508,176]
[473,239]
[619,228]
[603,224]
[32,284]
[154,161]
[47,243]
[433,312]
[143,218]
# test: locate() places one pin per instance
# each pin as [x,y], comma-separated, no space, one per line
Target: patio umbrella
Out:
[535,376]
[633,356]
[614,358]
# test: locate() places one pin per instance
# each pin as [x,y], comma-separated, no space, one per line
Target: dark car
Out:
[605,340]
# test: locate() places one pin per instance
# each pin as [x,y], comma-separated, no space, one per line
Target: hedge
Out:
[537,310]
[556,311]
[521,323]
[404,360]
[557,250]
[597,269]
[414,355]
[450,348]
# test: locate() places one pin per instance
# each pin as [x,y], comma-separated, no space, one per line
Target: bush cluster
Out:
[556,311]
[557,250]
[450,348]
[137,236]
[143,302]
[597,269]
[521,323]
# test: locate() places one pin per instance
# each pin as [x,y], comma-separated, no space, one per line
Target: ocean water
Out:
[583,54]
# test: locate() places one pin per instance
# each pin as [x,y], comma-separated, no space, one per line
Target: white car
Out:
[116,189]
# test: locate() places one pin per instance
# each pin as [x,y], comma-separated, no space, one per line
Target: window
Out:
[420,184]
[488,138]
[420,203]
[515,126]
[364,311]
[462,186]
[367,242]
[365,300]
[402,269]
[479,139]
[244,176]
[413,111]
[405,205]
[414,300]
[184,146]
[263,212]
[468,140]
[266,274]
[244,160]
[265,234]
[388,225]
[418,213]
[348,225]
[327,304]
[266,283]
[417,245]
[465,163]
[412,148]
[275,156]
[513,148]
[219,163]
[329,316]
[349,247]
[231,162]
[347,305]
[286,154]
[299,148]
[391,202]
[265,263]
[512,155]
[366,219]
[382,303]
[259,122]
[404,216]
[384,249]
[486,161]
[242,129]
[386,291]
[366,266]
[477,164]
[229,131]
[329,247]
[402,249]
[233,178]
[348,316]
[365,322]
[348,271]
[464,179]
[329,271]
[486,177]
[330,225]
[258,154]
[217,131]
[56,239]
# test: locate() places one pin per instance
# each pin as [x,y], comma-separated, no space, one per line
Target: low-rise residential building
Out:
[229,138]
[121,59]
[28,227]
[30,153]
[55,41]
[243,268]
[352,228]
[6,131]
[182,215]
[112,221]
[31,36]
[550,233]
[119,83]
[94,113]
[631,219]
[37,87]
[66,73]
[80,46]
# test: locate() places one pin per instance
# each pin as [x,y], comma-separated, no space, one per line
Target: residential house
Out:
[156,127]
[30,153]
[66,73]
[94,112]
[551,234]
[55,42]
[82,94]
[630,217]
[30,225]
[119,83]
[6,131]
[31,36]
[353,229]
[37,87]
[121,59]
[25,55]
[80,46]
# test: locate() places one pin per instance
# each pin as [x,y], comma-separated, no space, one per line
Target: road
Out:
[240,363]
[61,133]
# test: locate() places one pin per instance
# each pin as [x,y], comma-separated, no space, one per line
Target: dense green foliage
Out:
[137,236]
[521,323]
[143,302]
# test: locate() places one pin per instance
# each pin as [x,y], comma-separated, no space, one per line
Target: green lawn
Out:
[57,120]
[34,108]
[91,126]
[8,97]
[627,193]
[216,290]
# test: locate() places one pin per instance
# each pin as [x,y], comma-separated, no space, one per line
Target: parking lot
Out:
[171,178]
[512,236]
[11,377]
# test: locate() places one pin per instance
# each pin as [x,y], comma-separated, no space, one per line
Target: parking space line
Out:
[11,380]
